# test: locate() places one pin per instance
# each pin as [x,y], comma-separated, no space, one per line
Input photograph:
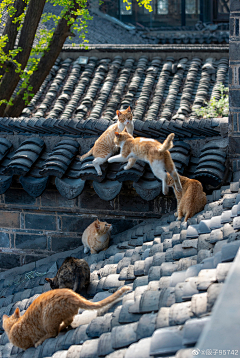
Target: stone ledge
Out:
[222,331]
[179,50]
[152,47]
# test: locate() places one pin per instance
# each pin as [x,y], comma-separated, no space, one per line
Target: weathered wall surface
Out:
[32,228]
[234,85]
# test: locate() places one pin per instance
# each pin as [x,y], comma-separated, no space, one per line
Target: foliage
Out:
[145,3]
[215,108]
[77,18]
[43,37]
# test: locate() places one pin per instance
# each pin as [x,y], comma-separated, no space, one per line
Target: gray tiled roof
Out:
[191,37]
[82,99]
[176,276]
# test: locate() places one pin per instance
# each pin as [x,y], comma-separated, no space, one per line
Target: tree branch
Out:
[10,79]
[62,31]
[10,28]
[9,64]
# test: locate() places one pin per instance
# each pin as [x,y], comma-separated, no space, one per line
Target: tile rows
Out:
[75,98]
[193,37]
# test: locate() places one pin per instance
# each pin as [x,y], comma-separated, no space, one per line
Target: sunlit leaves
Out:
[215,108]
[146,4]
[75,12]
[7,60]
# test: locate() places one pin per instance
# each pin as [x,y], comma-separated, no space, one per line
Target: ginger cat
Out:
[96,237]
[73,273]
[104,146]
[49,314]
[191,199]
[150,151]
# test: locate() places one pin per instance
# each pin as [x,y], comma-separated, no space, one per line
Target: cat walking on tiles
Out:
[104,146]
[48,315]
[191,199]
[96,237]
[157,155]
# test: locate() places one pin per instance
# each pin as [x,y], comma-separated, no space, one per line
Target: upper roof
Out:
[176,274]
[82,99]
[104,29]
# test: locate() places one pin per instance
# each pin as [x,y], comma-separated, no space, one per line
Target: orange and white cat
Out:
[96,236]
[49,314]
[191,199]
[104,146]
[150,151]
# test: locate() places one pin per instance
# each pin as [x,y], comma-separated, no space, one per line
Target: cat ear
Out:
[118,112]
[129,109]
[4,317]
[48,279]
[17,313]
[97,225]
[125,130]
[116,134]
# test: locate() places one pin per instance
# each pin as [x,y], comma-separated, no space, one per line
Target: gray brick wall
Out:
[31,228]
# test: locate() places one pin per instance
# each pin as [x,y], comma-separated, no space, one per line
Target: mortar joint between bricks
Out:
[22,221]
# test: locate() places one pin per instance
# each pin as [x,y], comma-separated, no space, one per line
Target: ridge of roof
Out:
[35,165]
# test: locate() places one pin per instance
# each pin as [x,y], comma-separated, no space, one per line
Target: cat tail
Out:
[168,143]
[88,305]
[87,154]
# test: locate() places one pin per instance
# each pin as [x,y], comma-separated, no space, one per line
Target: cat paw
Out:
[125,168]
[99,172]
[176,214]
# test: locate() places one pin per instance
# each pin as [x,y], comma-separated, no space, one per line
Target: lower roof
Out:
[176,273]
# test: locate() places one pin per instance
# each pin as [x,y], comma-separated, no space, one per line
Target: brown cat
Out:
[73,273]
[49,314]
[104,146]
[150,151]
[191,199]
[96,236]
